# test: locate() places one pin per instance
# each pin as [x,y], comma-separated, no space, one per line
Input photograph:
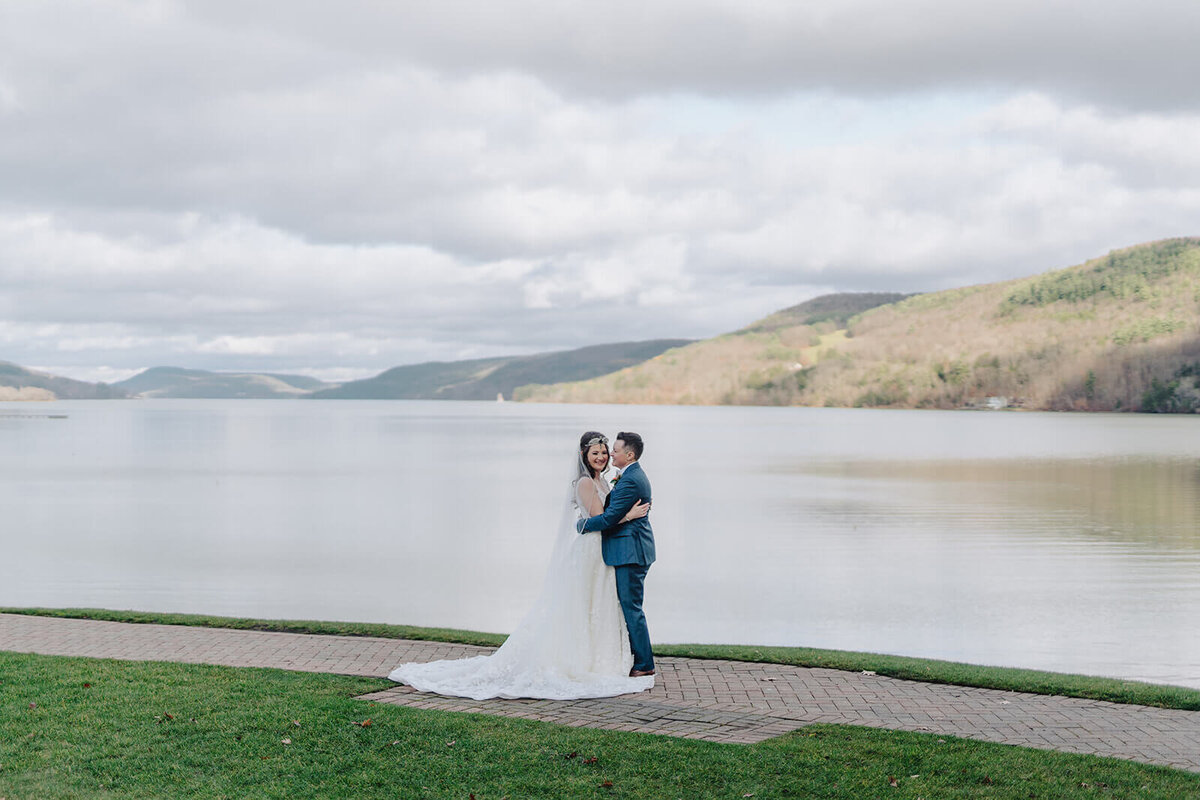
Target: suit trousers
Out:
[631,581]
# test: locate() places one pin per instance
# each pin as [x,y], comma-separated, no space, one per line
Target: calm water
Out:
[1065,542]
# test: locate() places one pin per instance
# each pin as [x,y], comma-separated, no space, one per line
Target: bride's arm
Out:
[639,510]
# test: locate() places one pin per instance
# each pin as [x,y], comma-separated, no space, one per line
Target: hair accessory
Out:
[596,440]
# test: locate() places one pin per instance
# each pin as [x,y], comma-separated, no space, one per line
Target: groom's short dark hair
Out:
[633,442]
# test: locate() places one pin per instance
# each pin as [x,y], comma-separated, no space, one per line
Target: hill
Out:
[176,382]
[735,368]
[19,383]
[484,379]
[1117,333]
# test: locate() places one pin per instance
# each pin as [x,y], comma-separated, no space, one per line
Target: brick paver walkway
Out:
[724,701]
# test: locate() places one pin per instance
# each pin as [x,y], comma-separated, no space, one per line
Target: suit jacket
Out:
[631,542]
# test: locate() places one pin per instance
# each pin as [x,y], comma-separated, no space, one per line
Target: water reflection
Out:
[1136,500]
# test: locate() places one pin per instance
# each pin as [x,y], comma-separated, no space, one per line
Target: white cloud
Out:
[1147,148]
[1111,51]
[223,185]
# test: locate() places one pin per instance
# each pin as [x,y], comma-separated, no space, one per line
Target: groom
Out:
[628,547]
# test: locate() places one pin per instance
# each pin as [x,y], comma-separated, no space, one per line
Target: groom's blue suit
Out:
[629,548]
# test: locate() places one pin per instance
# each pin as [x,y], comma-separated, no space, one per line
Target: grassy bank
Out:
[81,728]
[918,669]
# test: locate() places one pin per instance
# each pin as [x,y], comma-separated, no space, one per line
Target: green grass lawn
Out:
[80,728]
[918,669]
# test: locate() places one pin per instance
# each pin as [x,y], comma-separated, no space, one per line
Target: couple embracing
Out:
[586,634]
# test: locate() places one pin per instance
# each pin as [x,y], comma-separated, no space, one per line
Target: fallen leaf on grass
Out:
[748,794]
[286,741]
[892,782]
[571,754]
[86,686]
[591,760]
[366,723]
[606,785]
[451,743]
[33,705]
[296,722]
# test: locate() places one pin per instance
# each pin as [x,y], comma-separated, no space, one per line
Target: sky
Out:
[334,189]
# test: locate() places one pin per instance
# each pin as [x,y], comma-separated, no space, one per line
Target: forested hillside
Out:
[1116,333]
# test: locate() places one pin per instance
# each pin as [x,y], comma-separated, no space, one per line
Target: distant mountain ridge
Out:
[488,378]
[177,382]
[20,383]
[477,379]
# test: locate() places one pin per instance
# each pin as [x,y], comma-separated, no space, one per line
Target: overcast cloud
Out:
[336,189]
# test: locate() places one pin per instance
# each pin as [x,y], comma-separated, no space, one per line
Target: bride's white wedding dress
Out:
[572,644]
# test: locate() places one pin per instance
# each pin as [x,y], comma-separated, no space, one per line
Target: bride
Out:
[572,644]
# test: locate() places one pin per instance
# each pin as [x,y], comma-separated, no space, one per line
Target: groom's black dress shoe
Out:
[640,673]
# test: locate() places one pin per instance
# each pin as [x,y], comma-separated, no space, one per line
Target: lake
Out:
[1056,541]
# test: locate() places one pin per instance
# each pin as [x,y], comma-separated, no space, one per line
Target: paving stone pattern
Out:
[724,701]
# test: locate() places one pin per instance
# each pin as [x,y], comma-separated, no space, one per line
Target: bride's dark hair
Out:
[585,443]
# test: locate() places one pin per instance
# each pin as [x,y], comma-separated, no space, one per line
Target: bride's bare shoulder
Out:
[590,490]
